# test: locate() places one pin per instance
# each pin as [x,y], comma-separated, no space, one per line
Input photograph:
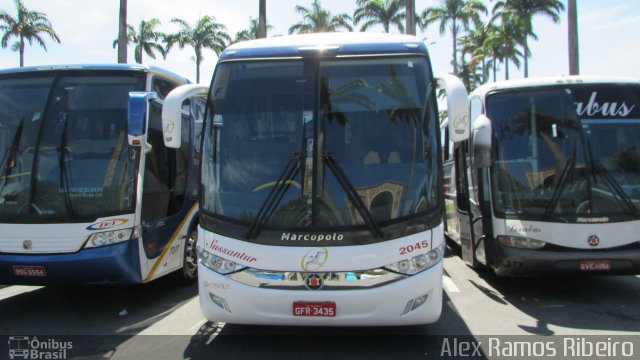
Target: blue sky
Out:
[609,33]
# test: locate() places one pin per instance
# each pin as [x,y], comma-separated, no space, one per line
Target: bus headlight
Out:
[521,242]
[108,238]
[216,263]
[418,263]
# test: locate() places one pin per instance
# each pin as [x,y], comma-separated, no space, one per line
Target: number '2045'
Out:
[424,244]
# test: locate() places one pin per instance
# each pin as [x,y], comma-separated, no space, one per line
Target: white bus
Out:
[89,194]
[549,181]
[321,198]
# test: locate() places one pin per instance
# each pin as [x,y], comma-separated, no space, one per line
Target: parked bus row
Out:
[304,186]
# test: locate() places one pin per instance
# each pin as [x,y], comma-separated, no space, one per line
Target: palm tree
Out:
[28,25]
[474,44]
[206,34]
[383,12]
[456,12]
[574,51]
[493,48]
[145,39]
[122,32]
[252,32]
[522,13]
[501,42]
[318,19]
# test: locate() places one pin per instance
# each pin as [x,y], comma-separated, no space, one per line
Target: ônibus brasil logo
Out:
[26,347]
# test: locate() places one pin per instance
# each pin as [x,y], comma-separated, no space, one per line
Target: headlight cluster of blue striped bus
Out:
[418,263]
[216,263]
[111,237]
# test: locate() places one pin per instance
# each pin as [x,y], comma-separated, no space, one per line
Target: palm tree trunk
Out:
[526,57]
[21,51]
[495,68]
[410,17]
[574,51]
[455,53]
[262,19]
[122,33]
[198,69]
[485,71]
[506,68]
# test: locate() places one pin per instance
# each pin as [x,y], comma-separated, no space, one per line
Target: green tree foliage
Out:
[502,43]
[318,19]
[146,39]
[206,34]
[382,12]
[250,33]
[28,25]
[521,13]
[458,14]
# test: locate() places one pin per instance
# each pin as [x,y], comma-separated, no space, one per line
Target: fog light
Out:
[221,302]
[419,301]
[415,303]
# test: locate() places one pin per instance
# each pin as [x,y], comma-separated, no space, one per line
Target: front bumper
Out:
[115,264]
[378,306]
[512,261]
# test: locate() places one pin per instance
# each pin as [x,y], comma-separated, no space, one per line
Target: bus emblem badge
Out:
[593,240]
[314,259]
[313,281]
[27,245]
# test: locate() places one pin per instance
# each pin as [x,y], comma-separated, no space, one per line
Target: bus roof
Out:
[485,89]
[330,44]
[71,67]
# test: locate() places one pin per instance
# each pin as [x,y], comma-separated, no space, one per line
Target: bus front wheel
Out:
[189,272]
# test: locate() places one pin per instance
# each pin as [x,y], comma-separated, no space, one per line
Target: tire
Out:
[189,272]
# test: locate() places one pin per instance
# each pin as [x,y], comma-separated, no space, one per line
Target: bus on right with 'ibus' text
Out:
[549,180]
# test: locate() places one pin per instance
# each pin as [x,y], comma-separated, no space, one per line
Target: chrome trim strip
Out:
[347,280]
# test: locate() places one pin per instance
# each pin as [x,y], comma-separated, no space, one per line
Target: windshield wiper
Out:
[275,196]
[9,160]
[352,194]
[564,175]
[64,176]
[623,197]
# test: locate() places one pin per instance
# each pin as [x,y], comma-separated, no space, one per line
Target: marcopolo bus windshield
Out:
[63,145]
[569,153]
[328,145]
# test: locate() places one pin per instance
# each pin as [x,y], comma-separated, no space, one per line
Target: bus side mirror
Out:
[457,106]
[172,112]
[137,115]
[482,142]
